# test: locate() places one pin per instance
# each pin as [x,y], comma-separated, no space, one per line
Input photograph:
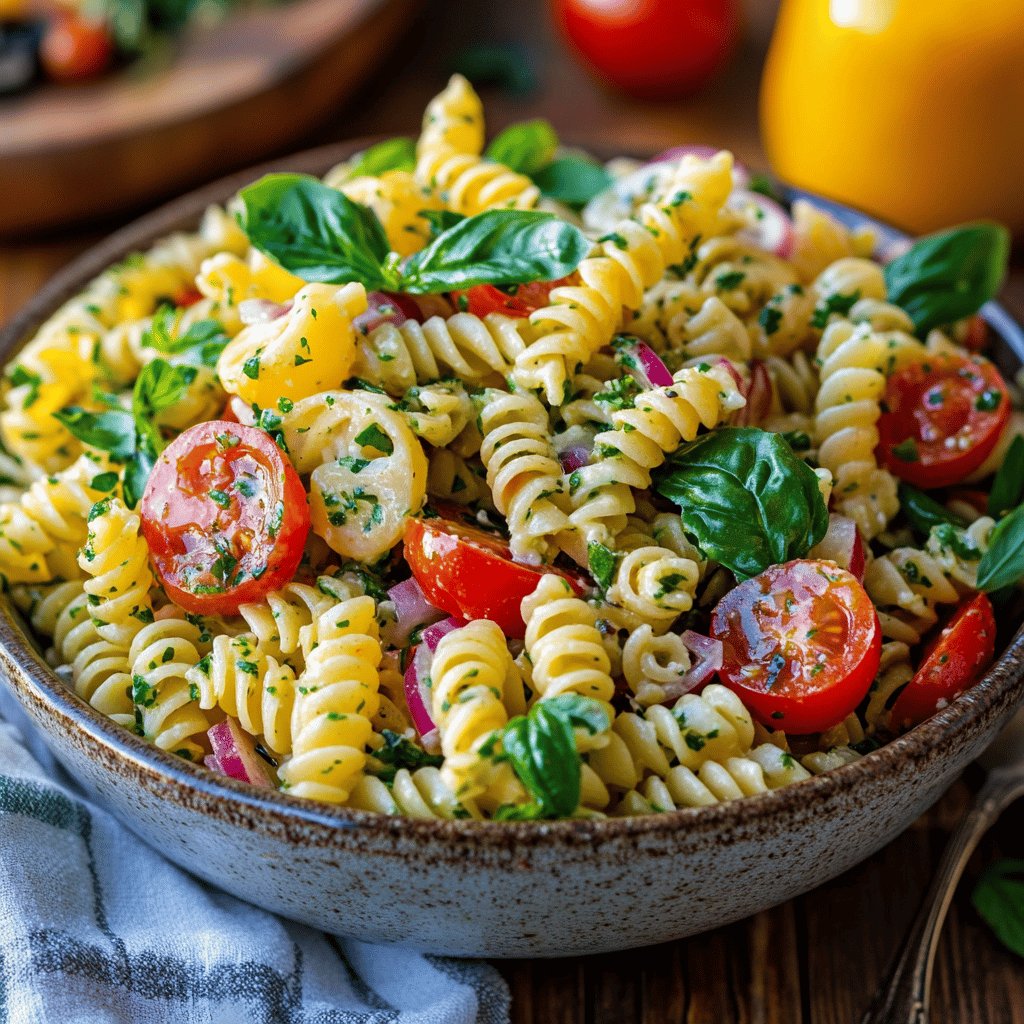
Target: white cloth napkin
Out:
[96,928]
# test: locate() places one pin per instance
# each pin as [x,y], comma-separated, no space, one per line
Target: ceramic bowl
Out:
[480,889]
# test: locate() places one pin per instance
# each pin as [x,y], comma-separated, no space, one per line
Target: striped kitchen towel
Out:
[95,927]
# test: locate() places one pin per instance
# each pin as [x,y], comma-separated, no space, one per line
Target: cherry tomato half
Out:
[75,48]
[520,300]
[187,296]
[954,661]
[942,419]
[468,572]
[801,644]
[225,517]
[651,48]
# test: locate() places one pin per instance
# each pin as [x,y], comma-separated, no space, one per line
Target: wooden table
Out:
[816,959]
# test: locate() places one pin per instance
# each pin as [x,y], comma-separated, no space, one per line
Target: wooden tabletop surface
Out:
[816,959]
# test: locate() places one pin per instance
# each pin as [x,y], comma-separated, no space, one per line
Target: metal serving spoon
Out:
[905,997]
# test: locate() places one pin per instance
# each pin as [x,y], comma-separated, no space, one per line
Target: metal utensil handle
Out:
[905,997]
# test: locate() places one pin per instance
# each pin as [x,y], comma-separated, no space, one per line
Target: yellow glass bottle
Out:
[910,109]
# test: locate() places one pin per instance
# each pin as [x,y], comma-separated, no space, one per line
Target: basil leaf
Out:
[136,474]
[112,431]
[1003,564]
[441,220]
[999,899]
[1008,485]
[390,155]
[525,147]
[159,386]
[746,498]
[602,564]
[104,481]
[949,275]
[203,342]
[316,232]
[497,247]
[572,180]
[398,752]
[924,512]
[541,747]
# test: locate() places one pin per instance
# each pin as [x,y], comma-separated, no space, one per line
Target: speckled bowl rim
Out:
[1001,687]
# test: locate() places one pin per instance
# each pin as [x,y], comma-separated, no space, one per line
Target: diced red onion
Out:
[733,372]
[234,750]
[740,174]
[575,457]
[381,308]
[758,392]
[649,370]
[261,311]
[412,610]
[893,249]
[772,230]
[241,410]
[426,306]
[841,544]
[417,695]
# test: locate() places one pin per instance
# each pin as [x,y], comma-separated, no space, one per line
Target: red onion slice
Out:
[573,458]
[707,659]
[841,544]
[261,311]
[417,694]
[644,362]
[234,751]
[381,308]
[412,610]
[758,392]
[771,227]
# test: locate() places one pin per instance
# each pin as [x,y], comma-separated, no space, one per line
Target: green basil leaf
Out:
[602,564]
[390,155]
[497,247]
[136,474]
[1003,564]
[104,481]
[525,147]
[572,180]
[1008,485]
[112,431]
[203,342]
[579,712]
[542,749]
[316,232]
[441,220]
[924,512]
[999,899]
[398,752]
[746,498]
[949,275]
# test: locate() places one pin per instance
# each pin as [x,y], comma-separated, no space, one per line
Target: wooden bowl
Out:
[481,888]
[233,94]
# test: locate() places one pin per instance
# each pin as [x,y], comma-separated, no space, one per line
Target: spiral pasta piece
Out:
[581,318]
[448,160]
[474,684]
[853,363]
[469,348]
[277,621]
[116,560]
[563,644]
[654,666]
[167,710]
[654,583]
[894,672]
[240,679]
[337,697]
[419,794]
[523,472]
[660,421]
[439,413]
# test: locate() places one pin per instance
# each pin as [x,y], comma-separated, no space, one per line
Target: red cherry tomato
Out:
[954,662]
[520,300]
[651,48]
[468,572]
[976,338]
[801,644]
[225,517]
[942,419]
[75,48]
[187,296]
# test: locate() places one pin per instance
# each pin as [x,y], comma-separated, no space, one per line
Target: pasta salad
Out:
[496,482]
